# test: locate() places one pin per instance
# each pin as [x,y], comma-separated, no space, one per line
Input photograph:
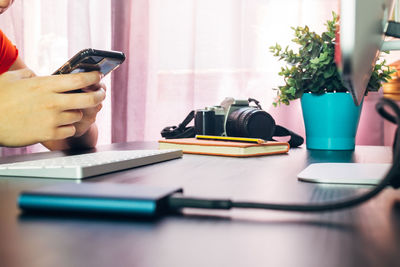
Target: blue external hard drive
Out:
[98,198]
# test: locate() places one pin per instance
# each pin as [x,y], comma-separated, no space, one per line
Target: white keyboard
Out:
[86,165]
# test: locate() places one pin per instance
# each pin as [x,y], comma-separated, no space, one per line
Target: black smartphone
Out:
[91,60]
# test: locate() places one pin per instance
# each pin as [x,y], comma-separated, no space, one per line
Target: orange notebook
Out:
[224,148]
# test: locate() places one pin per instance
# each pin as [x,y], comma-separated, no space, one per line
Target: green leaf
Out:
[292,91]
[330,34]
[291,82]
[330,72]
[314,60]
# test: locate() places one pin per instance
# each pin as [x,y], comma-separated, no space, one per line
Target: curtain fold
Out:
[131,35]
[120,19]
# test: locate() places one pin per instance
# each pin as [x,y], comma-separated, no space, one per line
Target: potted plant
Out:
[330,115]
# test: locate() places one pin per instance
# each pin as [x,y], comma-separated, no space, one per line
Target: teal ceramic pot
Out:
[330,120]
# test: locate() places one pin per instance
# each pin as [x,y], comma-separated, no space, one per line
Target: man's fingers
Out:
[64,131]
[81,100]
[67,82]
[94,87]
[90,112]
[69,117]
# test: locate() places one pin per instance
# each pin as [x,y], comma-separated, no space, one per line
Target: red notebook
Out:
[224,148]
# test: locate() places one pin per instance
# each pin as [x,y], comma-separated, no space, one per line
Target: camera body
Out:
[235,118]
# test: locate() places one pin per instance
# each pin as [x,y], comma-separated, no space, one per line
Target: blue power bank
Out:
[99,199]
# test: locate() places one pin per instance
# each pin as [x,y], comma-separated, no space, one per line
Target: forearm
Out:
[87,140]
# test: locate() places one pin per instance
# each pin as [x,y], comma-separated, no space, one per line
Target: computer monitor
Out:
[362,32]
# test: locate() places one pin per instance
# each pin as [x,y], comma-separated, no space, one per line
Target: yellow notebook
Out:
[224,148]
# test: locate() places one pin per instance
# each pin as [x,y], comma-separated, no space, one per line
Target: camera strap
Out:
[184,131]
[180,131]
[295,139]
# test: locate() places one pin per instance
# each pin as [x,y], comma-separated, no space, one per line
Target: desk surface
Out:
[368,235]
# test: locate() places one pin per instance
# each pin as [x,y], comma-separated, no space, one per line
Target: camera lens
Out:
[250,122]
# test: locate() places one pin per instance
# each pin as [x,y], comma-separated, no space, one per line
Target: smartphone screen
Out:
[92,60]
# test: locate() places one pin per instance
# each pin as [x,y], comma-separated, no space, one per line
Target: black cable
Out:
[392,178]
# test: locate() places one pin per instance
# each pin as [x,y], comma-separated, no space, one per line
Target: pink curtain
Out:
[130,34]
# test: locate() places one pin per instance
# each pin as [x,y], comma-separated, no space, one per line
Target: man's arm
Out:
[18,64]
[88,139]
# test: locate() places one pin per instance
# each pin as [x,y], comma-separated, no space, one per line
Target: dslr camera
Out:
[236,118]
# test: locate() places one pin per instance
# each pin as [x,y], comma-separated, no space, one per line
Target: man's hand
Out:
[37,109]
[89,114]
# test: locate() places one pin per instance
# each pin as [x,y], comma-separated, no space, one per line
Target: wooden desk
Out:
[368,235]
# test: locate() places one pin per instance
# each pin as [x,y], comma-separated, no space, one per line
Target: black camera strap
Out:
[180,131]
[184,131]
[295,139]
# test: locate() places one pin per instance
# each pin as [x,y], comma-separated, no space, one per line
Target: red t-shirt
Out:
[8,53]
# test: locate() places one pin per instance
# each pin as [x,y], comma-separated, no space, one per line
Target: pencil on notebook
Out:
[231,139]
